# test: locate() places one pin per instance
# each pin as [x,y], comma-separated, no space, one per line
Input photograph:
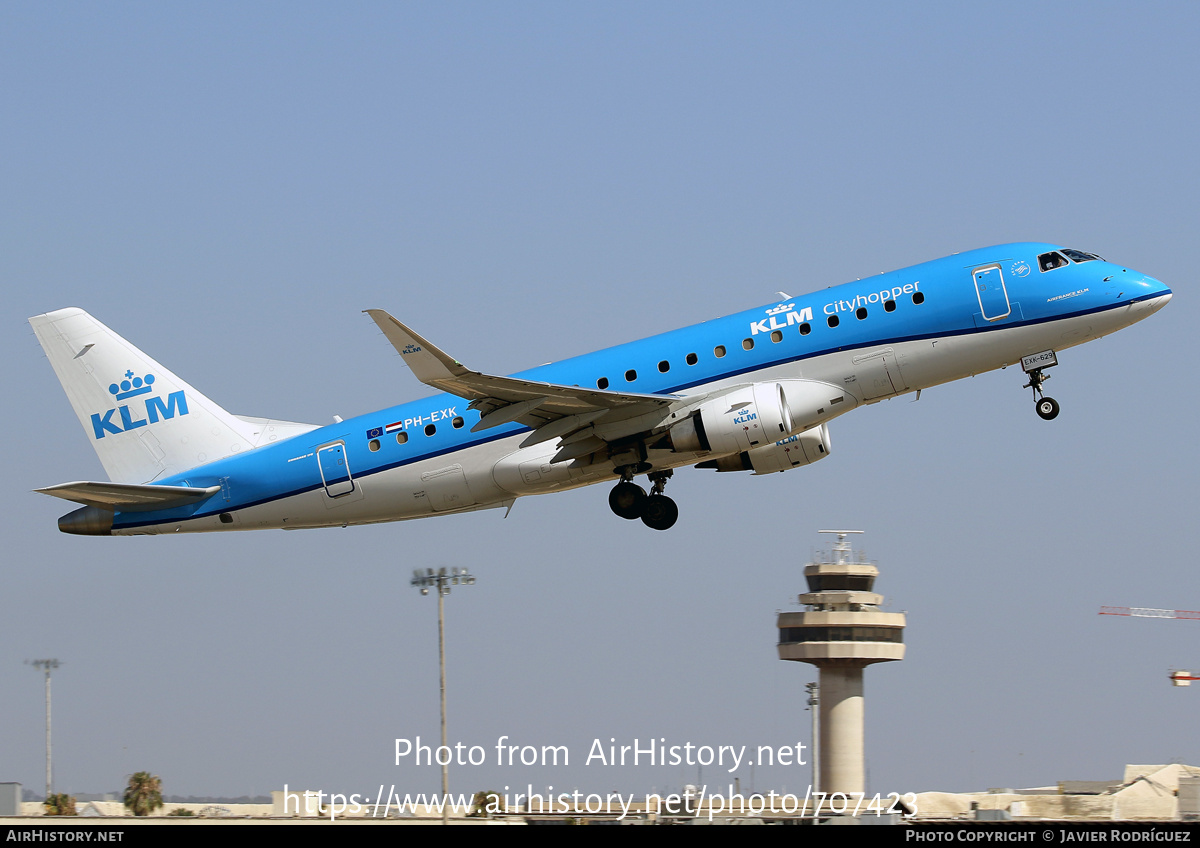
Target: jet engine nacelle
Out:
[749,418]
[802,449]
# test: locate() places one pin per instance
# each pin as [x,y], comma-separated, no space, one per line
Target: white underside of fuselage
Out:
[494,474]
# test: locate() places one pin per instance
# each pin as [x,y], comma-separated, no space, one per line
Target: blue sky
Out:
[228,186]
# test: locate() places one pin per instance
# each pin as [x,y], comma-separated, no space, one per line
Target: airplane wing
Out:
[129,497]
[552,410]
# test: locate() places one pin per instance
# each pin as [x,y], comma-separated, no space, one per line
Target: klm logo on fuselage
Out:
[155,408]
[784,315]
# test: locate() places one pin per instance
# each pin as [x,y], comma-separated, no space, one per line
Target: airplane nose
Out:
[1139,286]
[1161,301]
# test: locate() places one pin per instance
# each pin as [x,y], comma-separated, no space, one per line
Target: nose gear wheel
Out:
[1046,407]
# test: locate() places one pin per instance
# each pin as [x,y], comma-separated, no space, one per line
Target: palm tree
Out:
[485,803]
[61,804]
[143,795]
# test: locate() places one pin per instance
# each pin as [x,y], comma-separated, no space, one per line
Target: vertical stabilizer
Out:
[144,422]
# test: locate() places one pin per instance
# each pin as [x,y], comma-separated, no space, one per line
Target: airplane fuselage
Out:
[871,339]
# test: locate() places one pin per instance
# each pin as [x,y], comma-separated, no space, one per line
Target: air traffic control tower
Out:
[841,632]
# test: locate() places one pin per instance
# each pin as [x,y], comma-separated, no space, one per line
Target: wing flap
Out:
[129,497]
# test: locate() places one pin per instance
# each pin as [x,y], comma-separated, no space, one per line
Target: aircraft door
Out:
[993,296]
[335,471]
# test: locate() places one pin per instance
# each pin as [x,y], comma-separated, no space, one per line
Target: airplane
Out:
[754,391]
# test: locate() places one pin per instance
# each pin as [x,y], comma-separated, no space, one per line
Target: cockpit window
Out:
[1079,255]
[1052,260]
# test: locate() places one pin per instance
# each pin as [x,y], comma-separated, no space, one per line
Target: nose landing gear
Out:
[1046,407]
[629,500]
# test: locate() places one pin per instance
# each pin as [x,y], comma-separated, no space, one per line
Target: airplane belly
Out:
[936,361]
[446,489]
[878,375]
[530,472]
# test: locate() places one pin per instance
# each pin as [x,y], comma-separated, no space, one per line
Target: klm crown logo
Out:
[130,388]
[155,409]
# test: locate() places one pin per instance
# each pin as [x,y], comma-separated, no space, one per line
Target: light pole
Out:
[47,666]
[441,580]
[814,700]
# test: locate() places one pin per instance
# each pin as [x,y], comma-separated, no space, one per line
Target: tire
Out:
[659,512]
[626,500]
[1047,408]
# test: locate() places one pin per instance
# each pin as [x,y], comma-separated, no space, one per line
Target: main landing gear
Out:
[629,500]
[1047,407]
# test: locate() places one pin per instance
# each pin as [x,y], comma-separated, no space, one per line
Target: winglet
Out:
[428,363]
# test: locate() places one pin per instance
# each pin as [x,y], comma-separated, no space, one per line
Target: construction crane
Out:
[1178,678]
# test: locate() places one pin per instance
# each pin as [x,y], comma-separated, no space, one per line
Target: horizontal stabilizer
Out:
[129,497]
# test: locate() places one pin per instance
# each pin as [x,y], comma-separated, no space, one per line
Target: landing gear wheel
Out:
[626,500]
[659,512]
[1047,408]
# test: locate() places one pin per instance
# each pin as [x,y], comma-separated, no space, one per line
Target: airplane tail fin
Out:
[144,422]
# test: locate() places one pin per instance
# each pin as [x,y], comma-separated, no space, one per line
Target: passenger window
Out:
[747,344]
[692,359]
[805,328]
[602,383]
[861,312]
[918,297]
[719,351]
[458,422]
[373,444]
[777,336]
[430,429]
[630,376]
[664,367]
[889,306]
[833,321]
[401,437]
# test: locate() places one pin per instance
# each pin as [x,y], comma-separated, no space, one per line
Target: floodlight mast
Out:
[814,701]
[47,666]
[442,581]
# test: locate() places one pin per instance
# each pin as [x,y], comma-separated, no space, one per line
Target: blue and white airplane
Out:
[753,391]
